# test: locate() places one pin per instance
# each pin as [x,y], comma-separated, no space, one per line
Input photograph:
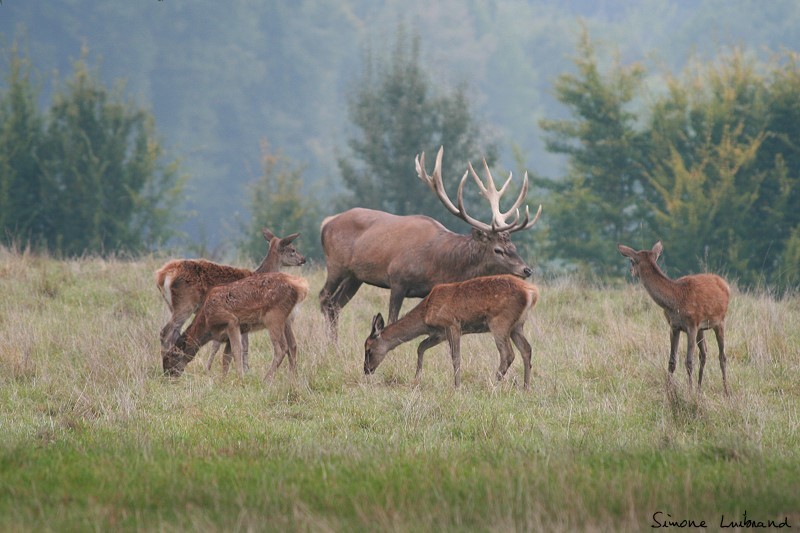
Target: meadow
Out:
[93,437]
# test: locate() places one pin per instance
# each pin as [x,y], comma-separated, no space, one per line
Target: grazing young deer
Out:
[184,283]
[259,301]
[496,304]
[692,304]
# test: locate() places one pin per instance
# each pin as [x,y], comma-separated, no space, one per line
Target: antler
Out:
[488,191]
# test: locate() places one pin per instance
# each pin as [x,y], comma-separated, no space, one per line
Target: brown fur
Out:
[410,254]
[184,283]
[691,304]
[496,304]
[259,301]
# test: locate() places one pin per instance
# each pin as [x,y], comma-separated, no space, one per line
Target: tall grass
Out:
[93,437]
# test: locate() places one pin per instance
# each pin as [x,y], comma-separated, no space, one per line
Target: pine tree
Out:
[398,114]
[23,214]
[596,205]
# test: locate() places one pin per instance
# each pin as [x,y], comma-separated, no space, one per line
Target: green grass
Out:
[92,437]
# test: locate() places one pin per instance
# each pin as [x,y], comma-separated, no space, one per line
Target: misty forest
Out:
[128,128]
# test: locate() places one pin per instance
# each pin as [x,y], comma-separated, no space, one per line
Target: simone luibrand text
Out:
[664,519]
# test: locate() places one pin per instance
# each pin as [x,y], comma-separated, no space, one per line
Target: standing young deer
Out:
[691,304]
[259,301]
[184,283]
[496,304]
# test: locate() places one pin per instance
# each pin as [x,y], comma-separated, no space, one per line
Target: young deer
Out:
[692,304]
[259,301]
[185,282]
[496,304]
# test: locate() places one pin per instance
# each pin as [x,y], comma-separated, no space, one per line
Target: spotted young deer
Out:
[185,282]
[496,304]
[410,254]
[259,301]
[691,304]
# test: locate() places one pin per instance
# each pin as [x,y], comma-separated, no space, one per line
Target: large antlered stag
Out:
[410,254]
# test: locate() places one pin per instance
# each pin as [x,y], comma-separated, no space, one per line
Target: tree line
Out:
[710,164]
[86,175]
[706,160]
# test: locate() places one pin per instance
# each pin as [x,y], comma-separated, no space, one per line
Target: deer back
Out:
[190,279]
[253,301]
[503,299]
[705,296]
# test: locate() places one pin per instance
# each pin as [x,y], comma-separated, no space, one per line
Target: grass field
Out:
[92,437]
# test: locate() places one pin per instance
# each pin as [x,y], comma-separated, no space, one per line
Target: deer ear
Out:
[626,251]
[268,235]
[657,249]
[377,325]
[289,239]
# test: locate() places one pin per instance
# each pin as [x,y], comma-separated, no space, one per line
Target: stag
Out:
[184,283]
[262,300]
[691,304]
[496,304]
[410,254]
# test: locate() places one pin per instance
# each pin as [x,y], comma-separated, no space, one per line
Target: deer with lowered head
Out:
[691,304]
[184,284]
[497,304]
[410,254]
[266,300]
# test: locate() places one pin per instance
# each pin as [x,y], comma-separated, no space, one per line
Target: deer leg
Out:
[278,337]
[503,344]
[674,339]
[246,352]
[326,305]
[292,346]
[454,338]
[396,296]
[701,343]
[214,349]
[691,342]
[430,342]
[172,329]
[337,291]
[235,341]
[719,331]
[227,356]
[524,348]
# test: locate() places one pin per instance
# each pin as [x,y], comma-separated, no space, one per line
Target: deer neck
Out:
[658,285]
[192,340]
[462,256]
[411,326]
[270,263]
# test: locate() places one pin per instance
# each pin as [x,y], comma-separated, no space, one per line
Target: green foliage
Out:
[279,204]
[22,213]
[597,203]
[703,167]
[398,115]
[88,175]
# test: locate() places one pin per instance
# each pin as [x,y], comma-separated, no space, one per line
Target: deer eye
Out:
[498,251]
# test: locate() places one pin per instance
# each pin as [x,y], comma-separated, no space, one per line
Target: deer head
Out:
[494,237]
[372,355]
[648,256]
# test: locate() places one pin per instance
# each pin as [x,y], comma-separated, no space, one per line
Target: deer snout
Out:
[367,370]
[528,271]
